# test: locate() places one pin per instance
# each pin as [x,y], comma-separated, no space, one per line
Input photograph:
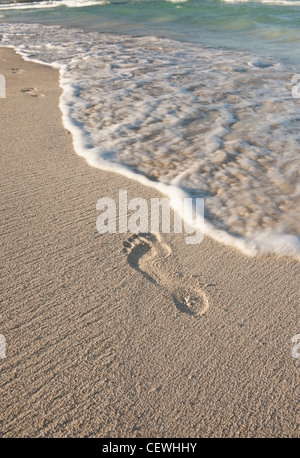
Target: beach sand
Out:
[100,339]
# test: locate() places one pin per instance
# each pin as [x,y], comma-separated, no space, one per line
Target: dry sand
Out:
[99,340]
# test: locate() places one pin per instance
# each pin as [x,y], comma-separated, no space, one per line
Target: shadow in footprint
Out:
[32,91]
[192,303]
[148,255]
[136,247]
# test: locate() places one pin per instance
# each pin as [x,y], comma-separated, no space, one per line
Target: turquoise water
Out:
[272,28]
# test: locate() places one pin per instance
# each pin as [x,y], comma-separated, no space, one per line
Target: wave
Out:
[177,1]
[52,4]
[268,2]
[187,120]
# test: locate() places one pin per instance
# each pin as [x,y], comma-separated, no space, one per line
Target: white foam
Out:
[177,1]
[268,2]
[198,121]
[53,4]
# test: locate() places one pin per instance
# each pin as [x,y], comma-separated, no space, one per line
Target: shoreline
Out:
[99,339]
[264,242]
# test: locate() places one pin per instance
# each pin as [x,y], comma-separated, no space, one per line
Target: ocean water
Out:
[194,98]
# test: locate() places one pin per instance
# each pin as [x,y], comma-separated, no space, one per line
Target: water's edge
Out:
[269,243]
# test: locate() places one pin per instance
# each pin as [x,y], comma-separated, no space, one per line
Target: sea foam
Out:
[268,2]
[187,120]
[52,4]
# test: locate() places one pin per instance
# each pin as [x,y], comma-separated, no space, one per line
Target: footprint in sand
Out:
[32,91]
[16,70]
[149,255]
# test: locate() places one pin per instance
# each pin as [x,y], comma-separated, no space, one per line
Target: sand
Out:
[100,340]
